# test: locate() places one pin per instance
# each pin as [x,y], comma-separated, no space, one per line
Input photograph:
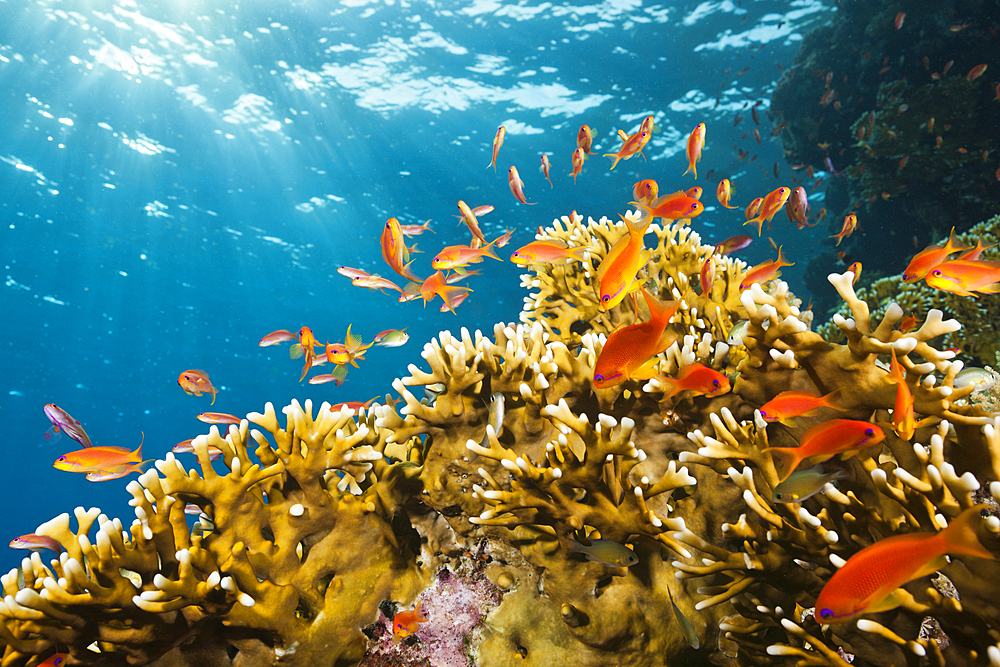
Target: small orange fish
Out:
[695,193]
[406,623]
[505,238]
[646,191]
[457,256]
[630,146]
[497,143]
[929,257]
[616,276]
[350,351]
[196,383]
[855,268]
[976,72]
[766,270]
[546,166]
[394,250]
[770,205]
[907,323]
[94,459]
[732,244]
[218,418]
[630,352]
[900,17]
[850,224]
[548,252]
[699,379]
[867,581]
[788,405]
[724,193]
[577,163]
[307,341]
[707,275]
[670,207]
[338,376]
[471,219]
[824,441]
[753,208]
[585,139]
[965,277]
[903,421]
[275,337]
[695,144]
[517,186]
[435,285]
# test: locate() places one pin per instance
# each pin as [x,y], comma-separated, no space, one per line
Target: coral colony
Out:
[503,510]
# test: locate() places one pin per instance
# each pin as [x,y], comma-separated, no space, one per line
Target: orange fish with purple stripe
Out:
[630,352]
[826,440]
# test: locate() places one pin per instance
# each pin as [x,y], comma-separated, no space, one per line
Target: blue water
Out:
[179,180]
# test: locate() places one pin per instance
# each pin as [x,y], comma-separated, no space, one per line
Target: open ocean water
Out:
[180,178]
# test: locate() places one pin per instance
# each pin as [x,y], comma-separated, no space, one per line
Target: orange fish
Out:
[307,341]
[697,378]
[695,193]
[671,207]
[929,257]
[824,441]
[497,143]
[196,383]
[348,352]
[766,270]
[471,219]
[630,146]
[406,623]
[548,252]
[855,268]
[868,580]
[645,191]
[504,239]
[218,418]
[577,163]
[450,294]
[900,17]
[976,72]
[902,412]
[94,459]
[394,251]
[770,205]
[965,277]
[54,660]
[585,139]
[724,193]
[275,337]
[753,208]
[850,224]
[630,352]
[788,405]
[616,276]
[457,256]
[707,275]
[546,166]
[517,186]
[695,143]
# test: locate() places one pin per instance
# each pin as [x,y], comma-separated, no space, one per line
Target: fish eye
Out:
[870,432]
[826,614]
[779,496]
[598,378]
[606,298]
[715,383]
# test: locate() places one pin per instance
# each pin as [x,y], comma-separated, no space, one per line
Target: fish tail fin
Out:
[782,261]
[138,450]
[674,386]
[214,393]
[960,537]
[614,164]
[640,226]
[789,457]
[659,310]
[832,400]
[579,253]
[895,369]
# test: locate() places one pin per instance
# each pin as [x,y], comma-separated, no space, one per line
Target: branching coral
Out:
[291,564]
[318,522]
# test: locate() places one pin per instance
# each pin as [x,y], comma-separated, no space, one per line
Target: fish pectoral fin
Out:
[646,371]
[898,597]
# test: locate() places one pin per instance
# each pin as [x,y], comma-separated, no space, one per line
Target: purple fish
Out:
[63,421]
[798,208]
[732,244]
[35,543]
[828,163]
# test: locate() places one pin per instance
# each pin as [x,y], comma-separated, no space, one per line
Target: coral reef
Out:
[324,527]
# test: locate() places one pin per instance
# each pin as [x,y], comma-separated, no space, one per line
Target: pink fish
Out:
[64,422]
[517,186]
